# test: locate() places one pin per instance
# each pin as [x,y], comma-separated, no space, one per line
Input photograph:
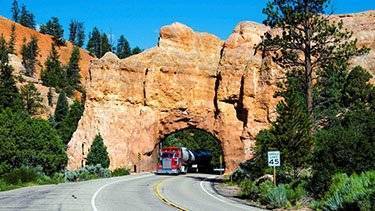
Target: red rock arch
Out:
[189,80]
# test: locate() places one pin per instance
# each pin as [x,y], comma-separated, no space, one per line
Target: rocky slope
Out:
[190,79]
[44,43]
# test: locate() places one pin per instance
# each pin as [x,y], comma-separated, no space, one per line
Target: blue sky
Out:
[140,20]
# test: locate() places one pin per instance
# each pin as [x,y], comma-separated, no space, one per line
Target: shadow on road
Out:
[201,178]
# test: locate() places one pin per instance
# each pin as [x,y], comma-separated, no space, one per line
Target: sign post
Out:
[274,160]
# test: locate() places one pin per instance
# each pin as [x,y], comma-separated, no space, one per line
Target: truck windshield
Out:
[167,155]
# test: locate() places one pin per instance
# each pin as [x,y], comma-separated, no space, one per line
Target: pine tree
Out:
[76,33]
[290,132]
[80,40]
[12,40]
[136,50]
[308,39]
[26,18]
[348,142]
[105,45]
[73,71]
[29,53]
[70,122]
[98,153]
[54,28]
[31,98]
[94,43]
[328,93]
[15,11]
[123,49]
[73,31]
[9,95]
[62,108]
[53,73]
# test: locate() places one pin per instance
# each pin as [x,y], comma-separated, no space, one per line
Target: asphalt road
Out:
[133,192]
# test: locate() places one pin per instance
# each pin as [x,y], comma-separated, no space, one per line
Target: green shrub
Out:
[265,187]
[55,179]
[120,172]
[281,196]
[86,173]
[248,189]
[26,176]
[348,193]
[277,197]
[295,194]
[23,175]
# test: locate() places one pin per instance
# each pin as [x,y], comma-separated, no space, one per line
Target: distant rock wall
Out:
[190,79]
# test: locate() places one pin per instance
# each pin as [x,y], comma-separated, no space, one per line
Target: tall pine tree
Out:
[123,49]
[98,43]
[73,71]
[29,53]
[9,95]
[26,18]
[62,108]
[105,45]
[308,39]
[32,99]
[70,122]
[94,43]
[53,74]
[54,28]
[15,11]
[12,40]
[290,132]
[76,33]
[98,153]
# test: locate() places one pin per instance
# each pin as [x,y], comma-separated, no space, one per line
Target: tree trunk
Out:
[308,72]
[308,75]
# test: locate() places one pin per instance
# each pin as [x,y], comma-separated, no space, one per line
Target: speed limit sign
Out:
[274,158]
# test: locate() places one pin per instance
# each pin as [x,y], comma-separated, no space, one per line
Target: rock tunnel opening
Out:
[204,146]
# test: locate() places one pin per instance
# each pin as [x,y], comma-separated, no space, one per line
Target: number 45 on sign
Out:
[274,158]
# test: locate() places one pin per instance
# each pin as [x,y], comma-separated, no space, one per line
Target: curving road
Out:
[133,192]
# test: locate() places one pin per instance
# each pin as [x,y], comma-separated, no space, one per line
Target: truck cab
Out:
[171,161]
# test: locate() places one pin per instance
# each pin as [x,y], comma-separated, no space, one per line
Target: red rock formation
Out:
[189,80]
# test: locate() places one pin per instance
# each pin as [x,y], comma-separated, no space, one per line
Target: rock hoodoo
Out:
[190,79]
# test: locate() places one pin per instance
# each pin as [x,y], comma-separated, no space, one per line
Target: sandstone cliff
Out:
[190,79]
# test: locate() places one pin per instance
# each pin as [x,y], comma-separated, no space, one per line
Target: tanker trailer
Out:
[202,161]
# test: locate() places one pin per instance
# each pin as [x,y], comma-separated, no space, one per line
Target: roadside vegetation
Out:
[325,124]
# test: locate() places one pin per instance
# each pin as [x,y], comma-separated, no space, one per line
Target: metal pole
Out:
[274,175]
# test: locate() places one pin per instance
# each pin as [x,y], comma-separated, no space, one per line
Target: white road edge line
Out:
[111,183]
[217,198]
